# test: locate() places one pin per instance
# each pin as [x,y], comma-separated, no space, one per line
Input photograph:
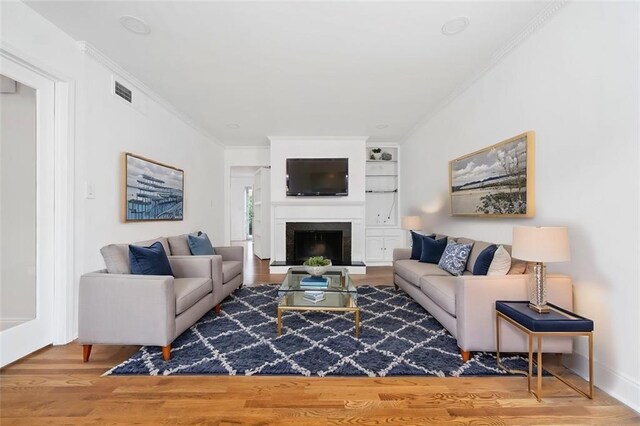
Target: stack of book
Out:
[314,283]
[314,296]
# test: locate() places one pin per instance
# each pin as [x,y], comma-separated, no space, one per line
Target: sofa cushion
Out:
[455,256]
[477,248]
[230,270]
[441,290]
[416,244]
[484,259]
[116,258]
[189,291]
[432,250]
[179,246]
[200,245]
[162,240]
[412,270]
[501,262]
[150,260]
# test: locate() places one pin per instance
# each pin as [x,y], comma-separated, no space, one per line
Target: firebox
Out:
[329,239]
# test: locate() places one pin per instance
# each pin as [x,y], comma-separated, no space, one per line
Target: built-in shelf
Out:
[382,161]
[382,192]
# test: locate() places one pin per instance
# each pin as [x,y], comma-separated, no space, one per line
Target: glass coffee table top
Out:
[334,289]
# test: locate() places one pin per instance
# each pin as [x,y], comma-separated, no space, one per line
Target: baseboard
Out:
[619,386]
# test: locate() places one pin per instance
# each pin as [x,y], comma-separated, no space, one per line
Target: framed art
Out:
[153,191]
[497,181]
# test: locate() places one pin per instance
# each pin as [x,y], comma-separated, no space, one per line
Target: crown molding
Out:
[104,60]
[317,138]
[239,147]
[498,56]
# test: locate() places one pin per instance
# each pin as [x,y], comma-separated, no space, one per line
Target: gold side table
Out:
[558,322]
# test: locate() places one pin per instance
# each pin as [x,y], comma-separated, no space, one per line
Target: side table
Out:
[558,322]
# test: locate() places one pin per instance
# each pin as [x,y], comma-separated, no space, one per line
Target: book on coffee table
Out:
[314,296]
[314,282]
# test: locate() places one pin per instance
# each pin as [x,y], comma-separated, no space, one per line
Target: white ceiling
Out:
[298,68]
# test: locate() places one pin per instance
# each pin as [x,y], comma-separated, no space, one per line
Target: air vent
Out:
[123,92]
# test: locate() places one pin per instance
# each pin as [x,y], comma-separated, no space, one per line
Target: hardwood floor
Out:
[54,387]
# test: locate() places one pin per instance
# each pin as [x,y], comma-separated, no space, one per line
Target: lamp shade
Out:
[411,223]
[543,244]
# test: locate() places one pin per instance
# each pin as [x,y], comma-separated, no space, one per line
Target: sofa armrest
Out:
[126,309]
[476,303]
[230,253]
[191,266]
[401,254]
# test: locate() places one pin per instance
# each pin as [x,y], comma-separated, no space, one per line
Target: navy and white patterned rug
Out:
[397,337]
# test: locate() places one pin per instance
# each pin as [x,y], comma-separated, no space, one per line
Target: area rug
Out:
[397,337]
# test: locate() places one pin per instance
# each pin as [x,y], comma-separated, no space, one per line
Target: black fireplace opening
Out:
[307,239]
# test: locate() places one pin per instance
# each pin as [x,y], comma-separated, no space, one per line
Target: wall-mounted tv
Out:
[312,177]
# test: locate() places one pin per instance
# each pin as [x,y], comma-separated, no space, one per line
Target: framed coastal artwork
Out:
[497,181]
[153,191]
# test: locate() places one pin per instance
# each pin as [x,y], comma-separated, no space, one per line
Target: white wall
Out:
[575,83]
[104,128]
[237,205]
[18,198]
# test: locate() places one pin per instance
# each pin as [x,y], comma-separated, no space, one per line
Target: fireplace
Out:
[329,239]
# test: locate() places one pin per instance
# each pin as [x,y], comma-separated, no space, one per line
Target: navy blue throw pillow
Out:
[416,244]
[200,245]
[432,250]
[481,267]
[150,260]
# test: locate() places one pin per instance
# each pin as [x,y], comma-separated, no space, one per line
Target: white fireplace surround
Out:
[319,211]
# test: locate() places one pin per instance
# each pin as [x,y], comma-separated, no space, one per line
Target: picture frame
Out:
[152,191]
[496,181]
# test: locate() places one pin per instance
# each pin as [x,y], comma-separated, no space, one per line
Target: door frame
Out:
[65,293]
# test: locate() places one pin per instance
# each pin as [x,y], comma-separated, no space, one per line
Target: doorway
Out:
[27,175]
[241,202]
[248,212]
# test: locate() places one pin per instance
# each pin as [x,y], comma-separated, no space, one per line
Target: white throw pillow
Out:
[501,262]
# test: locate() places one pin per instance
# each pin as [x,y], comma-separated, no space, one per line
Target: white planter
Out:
[377,156]
[317,271]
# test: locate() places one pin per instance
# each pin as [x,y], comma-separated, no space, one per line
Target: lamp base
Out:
[541,309]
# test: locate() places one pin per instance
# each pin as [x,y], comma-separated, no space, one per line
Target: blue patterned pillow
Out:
[455,256]
[416,244]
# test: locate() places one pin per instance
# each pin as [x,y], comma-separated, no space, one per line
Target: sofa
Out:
[465,304]
[117,307]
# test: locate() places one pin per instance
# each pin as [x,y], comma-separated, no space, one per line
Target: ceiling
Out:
[243,71]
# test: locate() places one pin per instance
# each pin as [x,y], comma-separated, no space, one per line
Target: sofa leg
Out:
[466,355]
[166,352]
[396,286]
[217,309]
[86,352]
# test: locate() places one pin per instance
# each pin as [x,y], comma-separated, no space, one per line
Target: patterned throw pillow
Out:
[455,256]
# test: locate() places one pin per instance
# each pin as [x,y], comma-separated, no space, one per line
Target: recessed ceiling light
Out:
[382,126]
[455,25]
[135,25]
[233,125]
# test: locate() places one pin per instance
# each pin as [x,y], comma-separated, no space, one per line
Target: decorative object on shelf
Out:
[152,191]
[495,181]
[386,156]
[540,245]
[317,265]
[376,153]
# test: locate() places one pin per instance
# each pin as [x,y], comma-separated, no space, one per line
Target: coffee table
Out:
[340,294]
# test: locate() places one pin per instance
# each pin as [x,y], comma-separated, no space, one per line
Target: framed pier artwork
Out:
[152,191]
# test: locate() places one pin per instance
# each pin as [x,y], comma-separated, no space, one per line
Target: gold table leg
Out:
[279,321]
[357,312]
[530,362]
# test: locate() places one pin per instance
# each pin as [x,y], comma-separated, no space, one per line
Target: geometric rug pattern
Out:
[397,337]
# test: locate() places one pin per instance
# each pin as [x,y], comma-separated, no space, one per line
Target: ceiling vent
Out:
[122,91]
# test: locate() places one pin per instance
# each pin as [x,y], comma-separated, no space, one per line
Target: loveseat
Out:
[465,305]
[117,307]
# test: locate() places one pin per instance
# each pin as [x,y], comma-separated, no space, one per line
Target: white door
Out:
[374,247]
[391,243]
[36,268]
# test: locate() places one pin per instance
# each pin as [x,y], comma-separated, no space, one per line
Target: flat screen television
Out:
[312,177]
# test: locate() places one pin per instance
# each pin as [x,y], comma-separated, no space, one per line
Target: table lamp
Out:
[540,245]
[411,223]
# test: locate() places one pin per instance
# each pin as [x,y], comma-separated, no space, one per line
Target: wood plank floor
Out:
[53,387]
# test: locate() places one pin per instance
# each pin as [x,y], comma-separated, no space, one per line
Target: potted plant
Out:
[317,265]
[377,153]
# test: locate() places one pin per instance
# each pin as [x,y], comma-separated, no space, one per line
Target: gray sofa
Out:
[465,305]
[117,307]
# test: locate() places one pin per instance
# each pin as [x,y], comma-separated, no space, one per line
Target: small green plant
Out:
[376,150]
[317,261]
